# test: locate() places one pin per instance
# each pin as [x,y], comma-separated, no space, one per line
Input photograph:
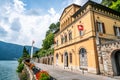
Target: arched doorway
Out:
[115,59]
[66,59]
[83,58]
[48,60]
[57,58]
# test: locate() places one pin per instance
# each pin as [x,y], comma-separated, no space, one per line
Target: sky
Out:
[22,21]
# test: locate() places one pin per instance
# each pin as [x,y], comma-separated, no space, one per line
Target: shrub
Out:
[20,68]
[42,75]
[20,60]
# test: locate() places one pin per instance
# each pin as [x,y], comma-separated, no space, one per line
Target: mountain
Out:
[9,51]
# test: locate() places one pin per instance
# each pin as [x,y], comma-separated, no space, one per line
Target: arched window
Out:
[66,59]
[57,56]
[65,37]
[70,57]
[83,57]
[83,52]
[70,35]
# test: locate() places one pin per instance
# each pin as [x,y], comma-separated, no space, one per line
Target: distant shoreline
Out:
[8,59]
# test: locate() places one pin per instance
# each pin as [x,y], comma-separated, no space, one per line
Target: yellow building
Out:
[82,28]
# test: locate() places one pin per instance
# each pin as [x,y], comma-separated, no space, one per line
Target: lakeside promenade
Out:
[62,74]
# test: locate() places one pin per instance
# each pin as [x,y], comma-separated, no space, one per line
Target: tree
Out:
[42,52]
[48,41]
[20,68]
[48,32]
[113,4]
[107,2]
[25,53]
[57,25]
[52,27]
[36,54]
[116,5]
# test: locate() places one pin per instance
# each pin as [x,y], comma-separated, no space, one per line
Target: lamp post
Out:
[32,49]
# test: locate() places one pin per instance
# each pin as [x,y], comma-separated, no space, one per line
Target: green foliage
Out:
[48,32]
[57,25]
[20,60]
[48,41]
[36,54]
[53,27]
[44,77]
[116,5]
[113,4]
[42,53]
[50,51]
[25,53]
[20,68]
[107,2]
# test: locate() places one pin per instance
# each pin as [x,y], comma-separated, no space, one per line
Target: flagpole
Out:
[32,50]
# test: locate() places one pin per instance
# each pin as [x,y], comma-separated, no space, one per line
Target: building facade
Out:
[82,30]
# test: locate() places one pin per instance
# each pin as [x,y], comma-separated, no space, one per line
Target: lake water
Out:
[8,70]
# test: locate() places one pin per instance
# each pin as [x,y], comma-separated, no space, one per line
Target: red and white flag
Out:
[80,27]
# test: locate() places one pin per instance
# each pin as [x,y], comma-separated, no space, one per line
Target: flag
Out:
[80,27]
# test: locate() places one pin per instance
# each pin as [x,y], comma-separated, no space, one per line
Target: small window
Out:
[100,27]
[57,42]
[61,39]
[117,31]
[70,35]
[81,33]
[65,37]
[70,57]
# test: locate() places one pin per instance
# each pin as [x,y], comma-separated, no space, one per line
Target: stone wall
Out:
[104,55]
[30,73]
[45,60]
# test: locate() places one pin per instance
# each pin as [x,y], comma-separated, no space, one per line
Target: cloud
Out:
[3,32]
[19,6]
[16,25]
[51,11]
[81,2]
[22,25]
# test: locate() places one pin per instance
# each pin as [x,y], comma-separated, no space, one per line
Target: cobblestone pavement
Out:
[62,74]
